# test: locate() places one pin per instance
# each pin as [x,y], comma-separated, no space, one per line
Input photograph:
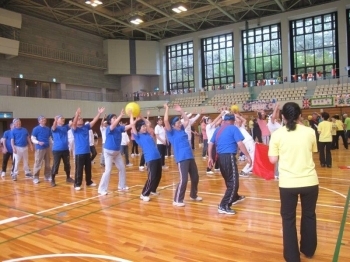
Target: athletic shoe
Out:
[92,184]
[36,180]
[77,188]
[172,156]
[240,199]
[155,193]
[48,179]
[92,162]
[145,198]
[226,210]
[197,198]
[210,172]
[70,180]
[166,156]
[243,174]
[102,165]
[126,188]
[29,175]
[103,193]
[217,169]
[204,157]
[53,183]
[165,167]
[14,178]
[3,174]
[132,155]
[276,177]
[141,168]
[178,204]
[129,164]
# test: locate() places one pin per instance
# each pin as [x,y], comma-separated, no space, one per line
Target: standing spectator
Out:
[7,150]
[347,126]
[200,143]
[325,140]
[315,119]
[292,146]
[251,126]
[125,147]
[112,153]
[204,123]
[60,149]
[82,148]
[41,138]
[340,132]
[256,131]
[188,127]
[20,141]
[265,133]
[103,127]
[143,135]
[71,144]
[183,156]
[159,132]
[227,139]
[135,147]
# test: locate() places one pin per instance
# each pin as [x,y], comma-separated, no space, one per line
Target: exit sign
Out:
[6,115]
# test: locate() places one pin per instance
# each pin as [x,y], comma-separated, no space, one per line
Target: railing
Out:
[27,49]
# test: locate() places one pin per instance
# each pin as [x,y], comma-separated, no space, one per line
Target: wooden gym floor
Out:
[41,223]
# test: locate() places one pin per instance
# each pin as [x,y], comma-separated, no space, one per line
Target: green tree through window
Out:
[262,54]
[314,46]
[180,67]
[218,61]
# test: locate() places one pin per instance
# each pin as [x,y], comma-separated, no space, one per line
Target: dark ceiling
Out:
[111,19]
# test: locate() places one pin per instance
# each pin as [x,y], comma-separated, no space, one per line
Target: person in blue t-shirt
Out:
[60,149]
[41,139]
[82,148]
[176,134]
[227,139]
[7,150]
[20,141]
[142,131]
[112,153]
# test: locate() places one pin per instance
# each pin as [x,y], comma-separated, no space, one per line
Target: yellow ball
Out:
[309,117]
[234,109]
[134,107]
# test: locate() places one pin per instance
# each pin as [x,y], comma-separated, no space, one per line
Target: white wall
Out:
[118,52]
[147,58]
[10,18]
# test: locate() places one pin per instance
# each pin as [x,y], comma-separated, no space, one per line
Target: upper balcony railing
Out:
[58,55]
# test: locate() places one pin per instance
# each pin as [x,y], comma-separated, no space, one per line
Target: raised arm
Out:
[184,116]
[244,121]
[116,122]
[75,119]
[132,123]
[99,112]
[166,117]
[275,113]
[54,125]
[103,119]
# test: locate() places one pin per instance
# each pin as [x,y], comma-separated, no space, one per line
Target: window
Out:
[314,47]
[262,54]
[180,68]
[348,23]
[218,61]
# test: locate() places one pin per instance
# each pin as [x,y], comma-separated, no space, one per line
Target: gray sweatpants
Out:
[186,167]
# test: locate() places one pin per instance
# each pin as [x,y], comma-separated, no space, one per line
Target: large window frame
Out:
[180,68]
[262,55]
[348,27]
[314,47]
[218,62]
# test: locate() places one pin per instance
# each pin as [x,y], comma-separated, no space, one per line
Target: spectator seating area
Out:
[331,90]
[283,94]
[191,101]
[229,99]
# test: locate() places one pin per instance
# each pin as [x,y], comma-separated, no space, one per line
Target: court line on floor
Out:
[68,255]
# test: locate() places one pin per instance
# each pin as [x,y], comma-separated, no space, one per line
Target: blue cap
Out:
[174,120]
[228,117]
[15,120]
[40,117]
[59,116]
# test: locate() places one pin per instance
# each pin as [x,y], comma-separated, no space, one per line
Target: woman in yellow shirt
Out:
[292,147]
[325,140]
[340,132]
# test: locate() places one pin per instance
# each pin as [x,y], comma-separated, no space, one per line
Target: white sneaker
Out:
[145,198]
[77,188]
[165,167]
[210,172]
[217,170]
[172,156]
[166,156]
[204,157]
[129,164]
[3,174]
[197,198]
[178,204]
[141,168]
[126,188]
[155,193]
[36,181]
[103,193]
[93,184]
[132,155]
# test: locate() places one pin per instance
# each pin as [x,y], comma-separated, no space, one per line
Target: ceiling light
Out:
[93,3]
[179,8]
[136,20]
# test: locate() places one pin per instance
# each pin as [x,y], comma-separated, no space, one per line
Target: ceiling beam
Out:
[166,15]
[280,5]
[222,10]
[111,18]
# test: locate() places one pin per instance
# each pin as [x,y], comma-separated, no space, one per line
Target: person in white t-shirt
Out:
[124,147]
[248,142]
[103,128]
[159,132]
[71,144]
[190,123]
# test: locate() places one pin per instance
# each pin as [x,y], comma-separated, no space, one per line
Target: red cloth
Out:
[262,166]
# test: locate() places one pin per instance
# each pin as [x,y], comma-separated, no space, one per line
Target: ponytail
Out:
[291,112]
